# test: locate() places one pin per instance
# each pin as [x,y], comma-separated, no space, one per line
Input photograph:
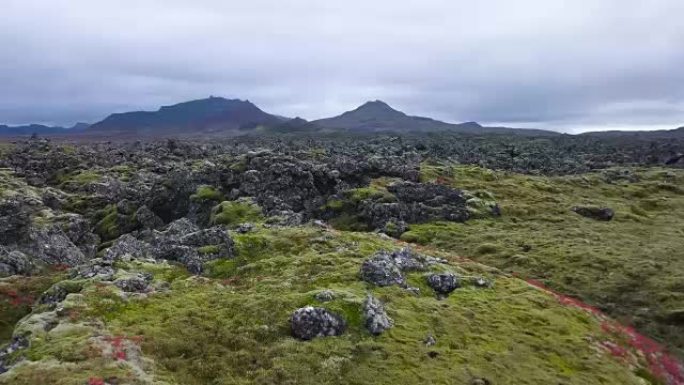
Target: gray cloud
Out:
[566,65]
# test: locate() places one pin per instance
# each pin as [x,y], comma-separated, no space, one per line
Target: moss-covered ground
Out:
[232,326]
[233,213]
[17,296]
[631,267]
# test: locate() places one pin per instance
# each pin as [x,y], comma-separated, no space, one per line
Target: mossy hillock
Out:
[628,267]
[238,322]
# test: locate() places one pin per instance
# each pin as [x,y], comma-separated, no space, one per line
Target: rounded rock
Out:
[311,322]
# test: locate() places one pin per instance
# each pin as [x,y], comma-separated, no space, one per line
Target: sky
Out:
[570,66]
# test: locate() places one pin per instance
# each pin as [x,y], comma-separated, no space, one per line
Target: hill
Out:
[213,114]
[379,116]
[658,134]
[41,129]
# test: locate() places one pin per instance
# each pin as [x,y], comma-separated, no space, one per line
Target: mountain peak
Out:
[375,105]
[210,114]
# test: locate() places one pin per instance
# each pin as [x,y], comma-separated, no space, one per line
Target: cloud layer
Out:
[565,65]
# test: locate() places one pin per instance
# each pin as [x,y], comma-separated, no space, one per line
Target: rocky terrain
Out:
[295,259]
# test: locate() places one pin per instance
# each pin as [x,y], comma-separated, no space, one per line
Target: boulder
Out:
[127,246]
[444,283]
[594,212]
[382,270]
[96,268]
[138,283]
[147,219]
[387,268]
[15,218]
[182,241]
[53,247]
[325,296]
[17,343]
[14,263]
[311,322]
[376,319]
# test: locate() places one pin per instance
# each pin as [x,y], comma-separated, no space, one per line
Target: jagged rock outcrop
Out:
[375,318]
[311,322]
[181,241]
[14,263]
[443,284]
[388,268]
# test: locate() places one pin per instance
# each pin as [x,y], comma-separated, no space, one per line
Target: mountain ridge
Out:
[218,115]
[209,114]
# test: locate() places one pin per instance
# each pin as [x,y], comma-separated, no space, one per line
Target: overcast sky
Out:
[566,65]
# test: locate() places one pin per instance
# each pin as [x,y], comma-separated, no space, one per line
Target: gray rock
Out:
[180,227]
[430,340]
[325,296]
[58,292]
[14,263]
[395,227]
[376,319]
[311,322]
[480,381]
[127,246]
[182,241]
[17,343]
[15,218]
[382,270]
[443,284]
[53,247]
[147,219]
[97,268]
[387,268]
[245,228]
[138,283]
[482,282]
[593,212]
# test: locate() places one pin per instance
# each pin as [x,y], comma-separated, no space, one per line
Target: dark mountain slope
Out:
[41,129]
[379,116]
[211,114]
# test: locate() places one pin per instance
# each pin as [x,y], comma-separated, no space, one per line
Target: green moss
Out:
[240,327]
[335,205]
[17,296]
[207,193]
[486,248]
[359,194]
[622,265]
[210,249]
[349,222]
[239,165]
[344,210]
[108,226]
[81,178]
[233,213]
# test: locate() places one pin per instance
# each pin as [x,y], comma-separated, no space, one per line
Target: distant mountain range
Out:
[216,116]
[30,129]
[658,134]
[205,115]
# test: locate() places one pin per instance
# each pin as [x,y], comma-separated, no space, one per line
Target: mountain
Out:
[379,116]
[212,114]
[41,129]
[658,134]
